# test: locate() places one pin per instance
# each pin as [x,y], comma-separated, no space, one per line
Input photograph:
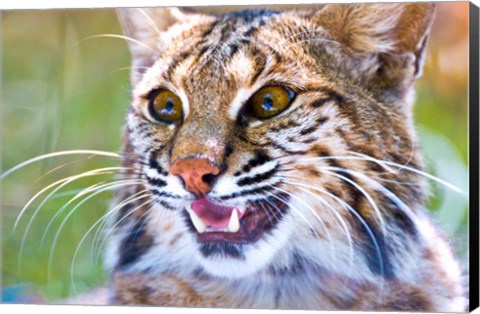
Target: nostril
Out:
[198,174]
[209,178]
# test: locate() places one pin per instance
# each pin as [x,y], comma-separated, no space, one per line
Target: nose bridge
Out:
[202,137]
[199,150]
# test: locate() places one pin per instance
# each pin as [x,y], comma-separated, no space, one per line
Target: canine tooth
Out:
[197,222]
[234,223]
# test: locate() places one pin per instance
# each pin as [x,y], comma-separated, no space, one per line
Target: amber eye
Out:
[165,106]
[270,101]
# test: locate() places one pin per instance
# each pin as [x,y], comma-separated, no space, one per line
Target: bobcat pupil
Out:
[267,103]
[169,106]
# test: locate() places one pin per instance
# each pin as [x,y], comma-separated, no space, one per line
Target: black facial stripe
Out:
[175,62]
[184,55]
[135,244]
[256,190]
[271,144]
[261,157]
[201,44]
[142,126]
[164,194]
[309,130]
[156,182]
[288,151]
[332,96]
[258,177]
[163,202]
[222,249]
[153,163]
[261,60]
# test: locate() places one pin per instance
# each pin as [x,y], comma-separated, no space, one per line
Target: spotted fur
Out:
[353,233]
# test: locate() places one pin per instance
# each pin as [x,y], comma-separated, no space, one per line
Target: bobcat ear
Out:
[386,42]
[145,31]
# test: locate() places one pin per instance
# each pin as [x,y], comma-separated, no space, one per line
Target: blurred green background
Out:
[62,91]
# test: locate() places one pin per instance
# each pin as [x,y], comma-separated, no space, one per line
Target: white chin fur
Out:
[257,255]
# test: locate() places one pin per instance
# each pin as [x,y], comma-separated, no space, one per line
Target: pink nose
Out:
[192,171]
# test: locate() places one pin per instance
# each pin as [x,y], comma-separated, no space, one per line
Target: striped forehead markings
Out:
[232,35]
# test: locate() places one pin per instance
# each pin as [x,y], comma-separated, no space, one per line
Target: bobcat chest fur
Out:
[279,163]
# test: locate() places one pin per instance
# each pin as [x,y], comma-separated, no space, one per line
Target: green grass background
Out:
[63,92]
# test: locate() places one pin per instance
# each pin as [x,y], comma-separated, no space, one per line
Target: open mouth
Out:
[241,225]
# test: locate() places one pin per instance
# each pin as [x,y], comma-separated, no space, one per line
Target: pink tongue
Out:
[213,215]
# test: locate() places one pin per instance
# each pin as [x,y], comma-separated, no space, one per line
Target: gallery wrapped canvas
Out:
[305,156]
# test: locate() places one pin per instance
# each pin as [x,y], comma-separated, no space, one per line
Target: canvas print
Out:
[309,156]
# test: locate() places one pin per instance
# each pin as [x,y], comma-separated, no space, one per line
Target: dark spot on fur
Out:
[135,244]
[294,268]
[400,218]
[314,172]
[375,250]
[248,33]
[309,140]
[309,130]
[322,120]
[228,150]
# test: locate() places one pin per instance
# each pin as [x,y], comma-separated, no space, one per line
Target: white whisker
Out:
[128,200]
[384,164]
[63,182]
[117,36]
[320,220]
[56,154]
[104,217]
[362,190]
[150,22]
[329,206]
[360,219]
[108,187]
[293,208]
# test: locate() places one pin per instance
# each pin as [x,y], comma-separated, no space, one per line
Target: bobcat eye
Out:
[165,106]
[270,101]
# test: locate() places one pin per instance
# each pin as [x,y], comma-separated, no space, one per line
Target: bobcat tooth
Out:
[234,223]
[197,222]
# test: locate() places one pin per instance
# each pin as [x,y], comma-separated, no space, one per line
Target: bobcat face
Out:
[262,137]
[236,206]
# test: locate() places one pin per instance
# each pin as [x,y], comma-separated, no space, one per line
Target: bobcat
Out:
[279,162]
